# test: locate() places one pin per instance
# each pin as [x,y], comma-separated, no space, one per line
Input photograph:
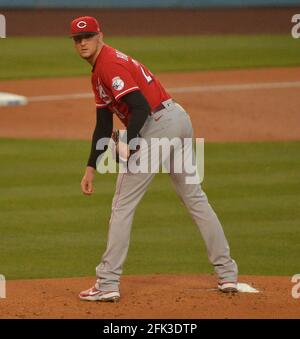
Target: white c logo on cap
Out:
[81,24]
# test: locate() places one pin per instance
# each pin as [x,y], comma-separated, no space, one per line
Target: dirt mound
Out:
[151,297]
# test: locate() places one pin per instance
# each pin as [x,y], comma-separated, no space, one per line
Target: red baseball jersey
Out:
[116,74]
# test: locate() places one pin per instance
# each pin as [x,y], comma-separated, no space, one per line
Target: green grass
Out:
[49,229]
[22,57]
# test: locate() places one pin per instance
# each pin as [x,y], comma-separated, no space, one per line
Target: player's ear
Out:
[101,35]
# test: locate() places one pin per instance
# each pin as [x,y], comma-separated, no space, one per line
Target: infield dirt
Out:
[150,297]
[218,113]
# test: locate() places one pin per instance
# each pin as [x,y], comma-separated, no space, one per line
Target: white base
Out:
[242,287]
[9,99]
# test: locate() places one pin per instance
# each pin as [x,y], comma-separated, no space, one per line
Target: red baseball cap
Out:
[84,25]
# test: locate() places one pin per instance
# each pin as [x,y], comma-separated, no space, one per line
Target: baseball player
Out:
[125,87]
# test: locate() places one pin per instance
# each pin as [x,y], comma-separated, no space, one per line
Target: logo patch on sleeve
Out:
[118,84]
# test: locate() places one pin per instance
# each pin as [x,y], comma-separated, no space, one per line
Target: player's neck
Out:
[93,58]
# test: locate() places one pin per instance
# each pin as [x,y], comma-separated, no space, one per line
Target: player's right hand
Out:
[87,186]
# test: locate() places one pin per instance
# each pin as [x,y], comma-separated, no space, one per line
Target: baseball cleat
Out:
[93,294]
[228,287]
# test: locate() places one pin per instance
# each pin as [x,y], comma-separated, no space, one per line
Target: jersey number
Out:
[147,77]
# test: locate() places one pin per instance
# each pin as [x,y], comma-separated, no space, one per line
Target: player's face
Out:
[87,45]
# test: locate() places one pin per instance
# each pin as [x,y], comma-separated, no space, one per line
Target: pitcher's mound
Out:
[152,296]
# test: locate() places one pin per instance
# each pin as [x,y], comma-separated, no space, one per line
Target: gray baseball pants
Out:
[170,122]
